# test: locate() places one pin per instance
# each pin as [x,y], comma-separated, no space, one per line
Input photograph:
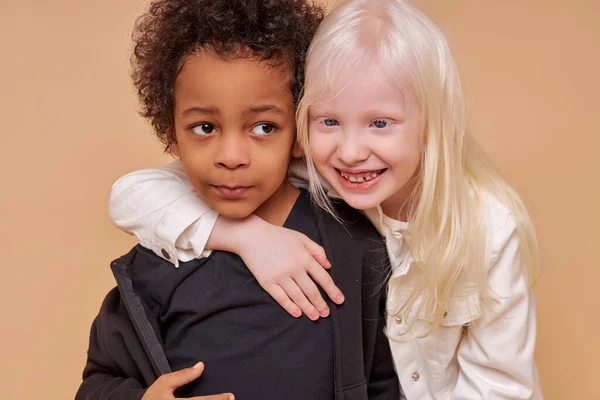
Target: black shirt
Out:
[213,310]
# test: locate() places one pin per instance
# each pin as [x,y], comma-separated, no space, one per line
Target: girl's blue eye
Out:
[263,129]
[204,129]
[379,123]
[330,122]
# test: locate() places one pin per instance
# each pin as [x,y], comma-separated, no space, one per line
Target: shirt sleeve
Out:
[161,208]
[496,352]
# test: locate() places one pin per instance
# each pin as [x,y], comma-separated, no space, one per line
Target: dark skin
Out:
[165,386]
[235,135]
[286,28]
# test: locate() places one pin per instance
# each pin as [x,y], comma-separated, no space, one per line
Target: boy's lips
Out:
[232,192]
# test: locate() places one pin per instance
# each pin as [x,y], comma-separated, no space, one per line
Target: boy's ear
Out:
[174,149]
[297,151]
[173,145]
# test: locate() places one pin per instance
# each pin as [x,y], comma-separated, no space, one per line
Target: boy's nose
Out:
[232,152]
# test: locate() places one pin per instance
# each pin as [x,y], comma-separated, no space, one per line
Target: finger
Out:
[293,291]
[280,296]
[312,293]
[324,280]
[316,251]
[224,396]
[175,380]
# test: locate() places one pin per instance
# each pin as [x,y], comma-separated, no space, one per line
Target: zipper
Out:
[333,352]
[330,303]
[135,322]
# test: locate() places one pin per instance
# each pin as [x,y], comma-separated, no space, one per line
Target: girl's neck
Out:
[396,206]
[395,212]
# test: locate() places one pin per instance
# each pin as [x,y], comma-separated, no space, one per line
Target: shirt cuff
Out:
[179,226]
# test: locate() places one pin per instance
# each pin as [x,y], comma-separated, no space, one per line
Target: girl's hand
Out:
[164,387]
[285,263]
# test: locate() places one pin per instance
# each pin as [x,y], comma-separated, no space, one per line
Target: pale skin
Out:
[290,276]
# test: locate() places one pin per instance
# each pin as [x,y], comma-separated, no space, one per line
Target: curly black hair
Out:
[268,30]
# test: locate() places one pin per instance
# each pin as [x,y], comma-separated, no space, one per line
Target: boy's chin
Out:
[235,211]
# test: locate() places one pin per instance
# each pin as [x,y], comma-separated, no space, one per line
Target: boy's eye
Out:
[204,129]
[330,122]
[379,123]
[263,129]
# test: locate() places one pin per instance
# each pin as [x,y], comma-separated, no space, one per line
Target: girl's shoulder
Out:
[495,213]
[498,223]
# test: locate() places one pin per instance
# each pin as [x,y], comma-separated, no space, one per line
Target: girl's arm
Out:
[161,208]
[164,212]
[496,353]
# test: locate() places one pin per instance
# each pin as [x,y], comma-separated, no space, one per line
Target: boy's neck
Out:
[276,209]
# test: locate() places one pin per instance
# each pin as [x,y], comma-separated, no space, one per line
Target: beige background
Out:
[530,70]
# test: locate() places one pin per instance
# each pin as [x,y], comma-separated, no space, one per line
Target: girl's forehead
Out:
[364,84]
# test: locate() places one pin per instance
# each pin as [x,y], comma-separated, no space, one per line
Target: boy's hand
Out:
[283,262]
[165,386]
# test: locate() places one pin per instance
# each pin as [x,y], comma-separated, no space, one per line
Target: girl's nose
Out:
[351,149]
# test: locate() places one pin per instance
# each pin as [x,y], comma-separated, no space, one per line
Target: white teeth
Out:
[360,179]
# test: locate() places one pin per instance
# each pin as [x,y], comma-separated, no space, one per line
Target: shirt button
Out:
[165,254]
[445,314]
[398,320]
[416,376]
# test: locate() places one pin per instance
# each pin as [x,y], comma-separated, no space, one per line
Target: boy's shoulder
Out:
[352,227]
[150,276]
[140,257]
[354,221]
[355,243]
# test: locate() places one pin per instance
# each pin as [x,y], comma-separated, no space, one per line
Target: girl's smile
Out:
[364,180]
[367,140]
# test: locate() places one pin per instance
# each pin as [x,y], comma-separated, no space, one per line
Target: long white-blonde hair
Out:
[446,236]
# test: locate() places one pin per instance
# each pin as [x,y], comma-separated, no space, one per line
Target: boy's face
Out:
[235,131]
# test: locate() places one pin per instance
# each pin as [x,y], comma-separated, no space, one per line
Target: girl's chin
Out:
[360,202]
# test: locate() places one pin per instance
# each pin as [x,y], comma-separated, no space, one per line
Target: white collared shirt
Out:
[476,354]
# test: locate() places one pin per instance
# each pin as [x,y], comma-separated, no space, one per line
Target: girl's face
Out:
[367,141]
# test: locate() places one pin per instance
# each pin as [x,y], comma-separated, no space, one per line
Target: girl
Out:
[382,120]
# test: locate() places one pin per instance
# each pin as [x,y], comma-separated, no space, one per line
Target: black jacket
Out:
[125,354]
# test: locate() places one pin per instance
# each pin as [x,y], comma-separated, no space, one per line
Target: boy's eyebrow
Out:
[265,108]
[200,110]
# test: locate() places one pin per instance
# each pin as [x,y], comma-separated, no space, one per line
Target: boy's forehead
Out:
[239,81]
[238,61]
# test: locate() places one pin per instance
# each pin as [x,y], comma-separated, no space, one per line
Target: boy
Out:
[219,80]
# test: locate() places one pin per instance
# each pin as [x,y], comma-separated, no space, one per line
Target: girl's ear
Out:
[297,151]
